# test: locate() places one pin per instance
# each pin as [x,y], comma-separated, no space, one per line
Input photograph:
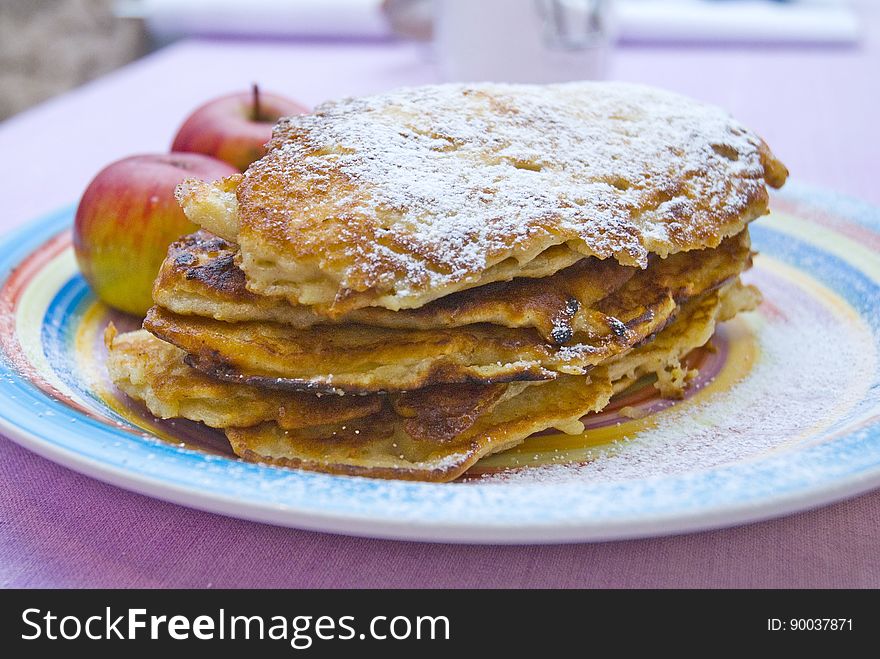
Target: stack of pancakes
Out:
[408,282]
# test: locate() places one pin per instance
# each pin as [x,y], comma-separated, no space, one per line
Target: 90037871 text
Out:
[809,624]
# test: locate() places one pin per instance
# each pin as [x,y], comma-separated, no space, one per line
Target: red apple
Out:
[235,128]
[126,219]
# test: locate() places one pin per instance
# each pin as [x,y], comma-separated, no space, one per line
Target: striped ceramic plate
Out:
[785,413]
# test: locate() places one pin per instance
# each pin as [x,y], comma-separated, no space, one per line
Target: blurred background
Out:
[49,46]
[91,81]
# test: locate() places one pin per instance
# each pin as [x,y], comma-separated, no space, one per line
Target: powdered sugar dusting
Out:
[441,182]
[812,369]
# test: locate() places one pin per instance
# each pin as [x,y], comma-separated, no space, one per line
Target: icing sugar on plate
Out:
[814,367]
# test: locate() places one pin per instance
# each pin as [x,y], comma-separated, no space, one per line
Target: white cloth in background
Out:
[679,21]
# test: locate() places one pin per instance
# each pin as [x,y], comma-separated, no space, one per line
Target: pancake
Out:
[199,277]
[399,199]
[359,358]
[152,371]
[431,434]
[380,446]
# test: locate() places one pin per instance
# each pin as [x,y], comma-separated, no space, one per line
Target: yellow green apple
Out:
[126,219]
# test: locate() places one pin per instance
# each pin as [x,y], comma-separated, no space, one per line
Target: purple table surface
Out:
[816,107]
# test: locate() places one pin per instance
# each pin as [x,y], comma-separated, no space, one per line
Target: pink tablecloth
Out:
[818,108]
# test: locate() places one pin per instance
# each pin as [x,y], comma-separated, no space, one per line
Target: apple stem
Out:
[256,91]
